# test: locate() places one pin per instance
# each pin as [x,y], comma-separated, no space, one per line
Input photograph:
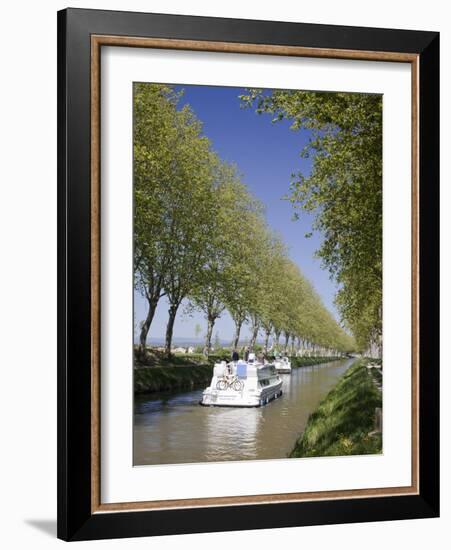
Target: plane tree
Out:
[342,185]
[190,211]
[224,274]
[200,236]
[174,170]
[154,113]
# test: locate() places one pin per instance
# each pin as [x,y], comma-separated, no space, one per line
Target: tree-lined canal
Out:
[171,428]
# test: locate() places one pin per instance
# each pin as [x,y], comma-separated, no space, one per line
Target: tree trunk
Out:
[210,325]
[298,346]
[267,333]
[236,338]
[146,325]
[170,328]
[255,329]
[277,338]
[287,339]
[293,338]
[303,347]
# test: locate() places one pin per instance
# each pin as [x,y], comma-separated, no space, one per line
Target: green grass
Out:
[183,372]
[344,420]
[157,358]
[165,378]
[297,362]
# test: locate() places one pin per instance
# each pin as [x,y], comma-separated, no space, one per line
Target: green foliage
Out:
[156,358]
[297,362]
[220,354]
[174,171]
[230,251]
[168,378]
[187,372]
[344,421]
[305,316]
[200,236]
[344,189]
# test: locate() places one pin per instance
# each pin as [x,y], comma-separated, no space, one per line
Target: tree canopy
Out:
[201,237]
[343,187]
[174,199]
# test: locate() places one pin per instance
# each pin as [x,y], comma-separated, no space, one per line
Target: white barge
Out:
[242,384]
[283,365]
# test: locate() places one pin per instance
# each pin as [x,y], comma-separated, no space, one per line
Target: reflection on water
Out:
[173,428]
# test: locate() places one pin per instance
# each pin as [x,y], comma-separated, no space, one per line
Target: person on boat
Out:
[246,353]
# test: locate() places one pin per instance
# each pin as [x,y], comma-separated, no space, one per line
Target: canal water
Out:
[171,428]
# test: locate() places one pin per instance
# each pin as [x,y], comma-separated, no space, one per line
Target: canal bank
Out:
[189,373]
[297,362]
[344,422]
[170,378]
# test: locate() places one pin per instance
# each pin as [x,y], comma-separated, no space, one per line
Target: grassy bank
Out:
[344,420]
[165,378]
[156,358]
[184,372]
[309,361]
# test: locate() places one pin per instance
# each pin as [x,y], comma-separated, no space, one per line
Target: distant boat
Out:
[283,365]
[242,384]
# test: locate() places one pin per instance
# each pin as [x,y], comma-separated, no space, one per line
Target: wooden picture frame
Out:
[81,35]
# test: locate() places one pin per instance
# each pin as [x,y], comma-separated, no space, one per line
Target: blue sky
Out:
[266,155]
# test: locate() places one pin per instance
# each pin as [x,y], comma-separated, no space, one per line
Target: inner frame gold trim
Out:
[97,41]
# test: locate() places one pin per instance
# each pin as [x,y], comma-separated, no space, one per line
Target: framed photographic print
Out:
[248,274]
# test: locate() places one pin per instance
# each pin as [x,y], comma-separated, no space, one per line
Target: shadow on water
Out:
[171,428]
